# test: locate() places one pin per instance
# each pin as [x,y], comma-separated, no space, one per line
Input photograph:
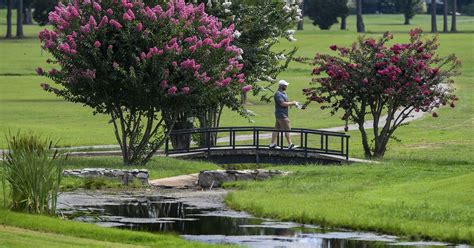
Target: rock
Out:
[126,176]
[210,179]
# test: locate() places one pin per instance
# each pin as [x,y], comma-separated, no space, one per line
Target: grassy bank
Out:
[19,230]
[416,200]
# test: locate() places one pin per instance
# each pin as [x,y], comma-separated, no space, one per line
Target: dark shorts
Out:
[283,124]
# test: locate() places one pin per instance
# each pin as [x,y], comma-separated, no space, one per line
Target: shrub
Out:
[372,78]
[30,174]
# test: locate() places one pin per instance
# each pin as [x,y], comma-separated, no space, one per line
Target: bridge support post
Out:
[306,148]
[208,137]
[257,144]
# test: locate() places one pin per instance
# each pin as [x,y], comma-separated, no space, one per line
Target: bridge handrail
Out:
[324,147]
[258,128]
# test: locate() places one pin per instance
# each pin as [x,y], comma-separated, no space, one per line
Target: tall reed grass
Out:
[31,176]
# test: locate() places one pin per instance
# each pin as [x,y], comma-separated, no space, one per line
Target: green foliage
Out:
[370,78]
[41,10]
[134,64]
[324,13]
[469,9]
[30,174]
[409,8]
[276,20]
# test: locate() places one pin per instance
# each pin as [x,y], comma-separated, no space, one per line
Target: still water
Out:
[203,217]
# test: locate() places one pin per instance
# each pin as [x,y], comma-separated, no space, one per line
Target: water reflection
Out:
[212,225]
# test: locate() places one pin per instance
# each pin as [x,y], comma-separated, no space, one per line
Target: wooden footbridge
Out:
[235,145]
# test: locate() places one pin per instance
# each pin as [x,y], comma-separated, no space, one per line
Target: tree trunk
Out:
[28,16]
[301,23]
[360,20]
[453,21]
[243,98]
[434,27]
[19,19]
[445,16]
[407,20]
[209,118]
[343,22]
[9,18]
[182,141]
[365,141]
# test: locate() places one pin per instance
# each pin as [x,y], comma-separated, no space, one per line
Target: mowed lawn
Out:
[23,104]
[423,190]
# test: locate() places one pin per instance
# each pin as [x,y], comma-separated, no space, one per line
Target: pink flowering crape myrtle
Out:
[133,61]
[390,81]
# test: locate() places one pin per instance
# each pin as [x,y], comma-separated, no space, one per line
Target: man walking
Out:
[281,114]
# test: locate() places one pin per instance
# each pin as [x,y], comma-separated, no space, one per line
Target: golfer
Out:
[281,114]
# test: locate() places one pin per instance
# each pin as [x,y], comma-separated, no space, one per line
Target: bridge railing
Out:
[258,138]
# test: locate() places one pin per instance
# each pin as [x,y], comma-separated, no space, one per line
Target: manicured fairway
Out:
[24,105]
[420,200]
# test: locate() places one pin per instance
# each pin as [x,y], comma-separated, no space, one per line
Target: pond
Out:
[202,216]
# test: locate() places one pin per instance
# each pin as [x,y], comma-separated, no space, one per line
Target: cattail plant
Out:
[30,174]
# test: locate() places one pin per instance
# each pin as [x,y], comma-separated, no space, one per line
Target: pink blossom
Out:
[96,6]
[172,90]
[247,88]
[45,86]
[110,47]
[104,21]
[92,22]
[126,17]
[115,65]
[164,84]
[88,73]
[185,90]
[379,55]
[97,44]
[139,27]
[370,42]
[64,47]
[53,72]
[85,29]
[40,71]
[352,66]
[110,12]
[115,24]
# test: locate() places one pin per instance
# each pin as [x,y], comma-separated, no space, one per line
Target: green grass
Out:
[23,105]
[424,190]
[26,238]
[417,200]
[65,233]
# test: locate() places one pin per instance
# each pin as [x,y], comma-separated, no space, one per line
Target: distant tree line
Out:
[325,13]
[26,12]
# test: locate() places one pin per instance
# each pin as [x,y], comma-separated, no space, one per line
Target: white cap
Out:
[283,82]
